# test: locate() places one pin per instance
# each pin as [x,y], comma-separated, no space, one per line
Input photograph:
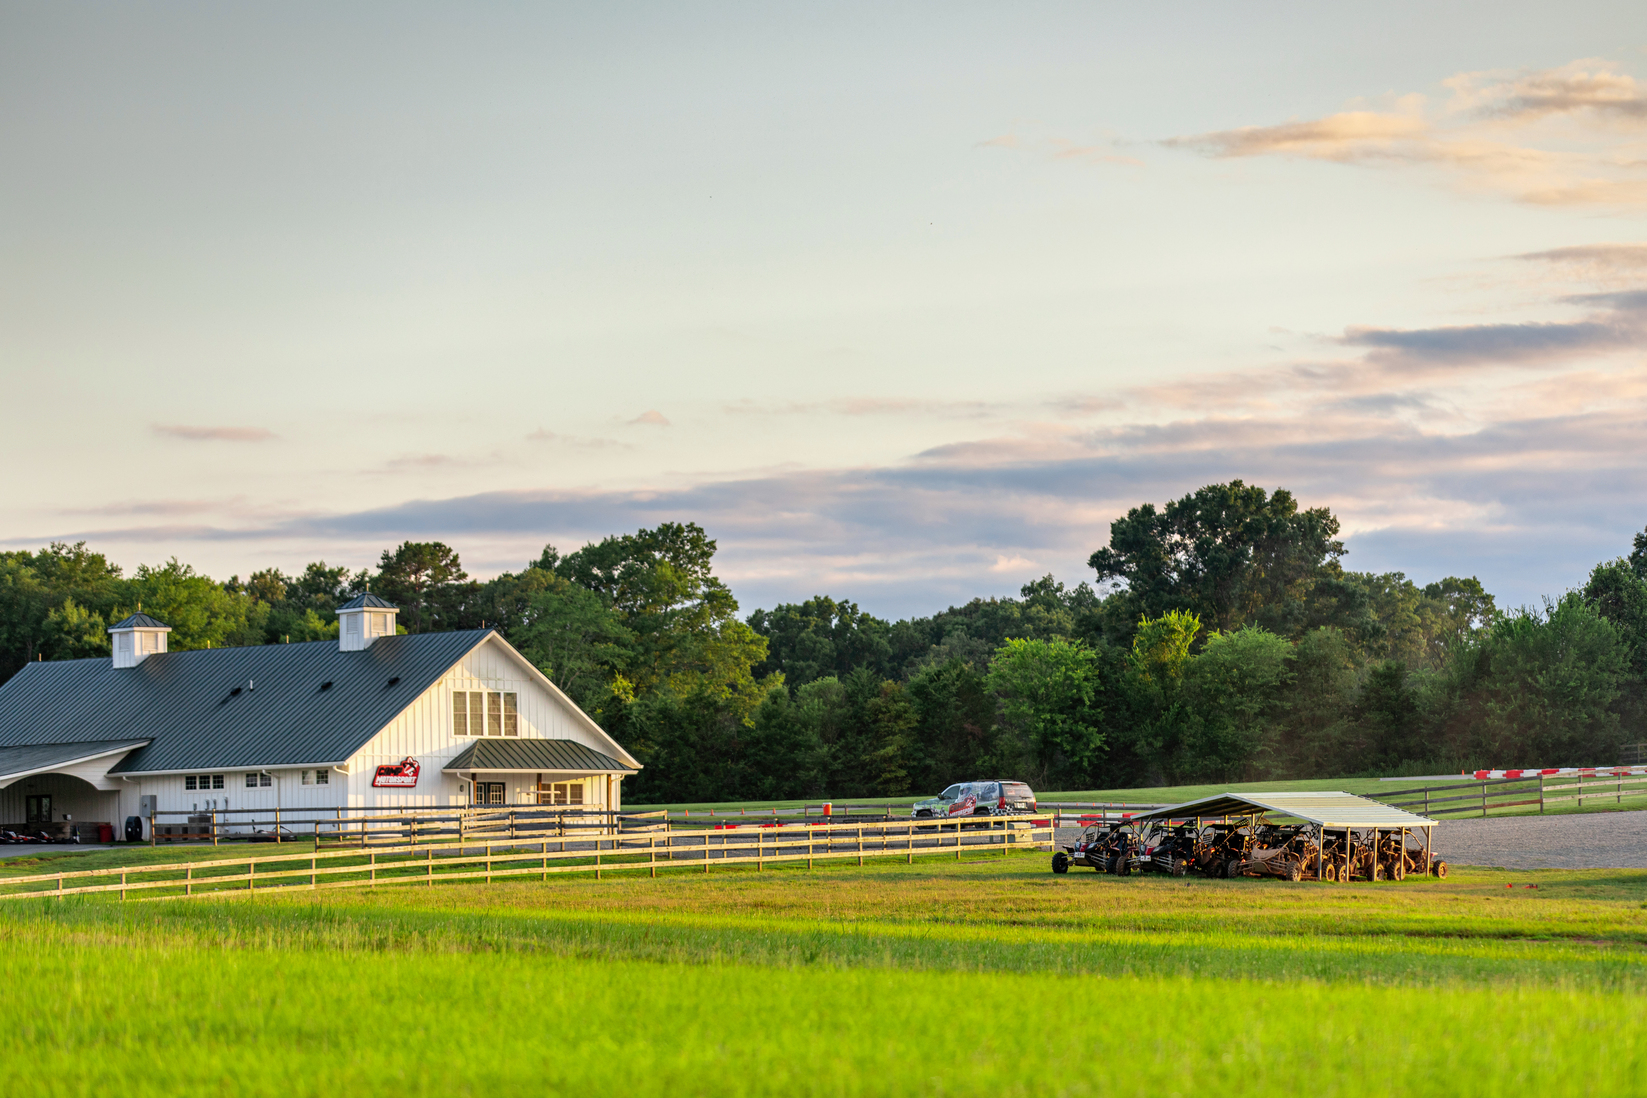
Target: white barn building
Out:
[369,721]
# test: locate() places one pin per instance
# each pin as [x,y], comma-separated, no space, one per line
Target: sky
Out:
[903,303]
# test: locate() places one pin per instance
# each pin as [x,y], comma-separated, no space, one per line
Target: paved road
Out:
[1599,840]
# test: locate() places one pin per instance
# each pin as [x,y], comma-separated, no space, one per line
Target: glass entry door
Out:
[39,808]
[489,793]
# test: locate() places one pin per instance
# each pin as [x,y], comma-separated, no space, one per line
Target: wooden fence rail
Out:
[428,863]
[1492,793]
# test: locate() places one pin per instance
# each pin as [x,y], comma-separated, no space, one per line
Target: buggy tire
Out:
[1440,870]
[1060,862]
[1377,871]
[1178,868]
[1123,868]
[1232,868]
[1109,864]
[1329,872]
[1295,872]
[1398,871]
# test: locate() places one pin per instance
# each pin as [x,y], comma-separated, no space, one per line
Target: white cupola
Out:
[362,620]
[137,638]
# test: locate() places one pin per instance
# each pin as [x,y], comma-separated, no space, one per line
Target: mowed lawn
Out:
[989,977]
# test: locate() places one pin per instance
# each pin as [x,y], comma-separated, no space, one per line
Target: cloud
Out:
[215,434]
[1614,264]
[1590,86]
[1356,136]
[1582,164]
[1489,344]
[651,418]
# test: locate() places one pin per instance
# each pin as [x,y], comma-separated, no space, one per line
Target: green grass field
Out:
[985,977]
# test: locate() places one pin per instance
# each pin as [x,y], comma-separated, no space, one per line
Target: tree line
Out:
[1220,638]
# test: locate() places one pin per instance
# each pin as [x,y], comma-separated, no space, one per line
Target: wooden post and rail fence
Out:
[496,855]
[1480,796]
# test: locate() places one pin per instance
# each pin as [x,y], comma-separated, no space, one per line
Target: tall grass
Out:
[995,979]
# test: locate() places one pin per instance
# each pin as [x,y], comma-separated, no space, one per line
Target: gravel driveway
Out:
[1599,840]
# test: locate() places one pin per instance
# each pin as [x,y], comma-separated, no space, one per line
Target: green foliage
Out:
[426,580]
[1230,553]
[1540,684]
[1050,702]
[576,639]
[821,637]
[1234,687]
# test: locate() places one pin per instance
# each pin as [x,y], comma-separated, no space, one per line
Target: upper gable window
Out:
[485,713]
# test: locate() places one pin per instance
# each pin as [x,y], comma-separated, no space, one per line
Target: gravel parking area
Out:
[1598,840]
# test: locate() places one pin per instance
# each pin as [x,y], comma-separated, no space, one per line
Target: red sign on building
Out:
[400,775]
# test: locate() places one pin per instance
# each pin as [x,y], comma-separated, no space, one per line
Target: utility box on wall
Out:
[147,805]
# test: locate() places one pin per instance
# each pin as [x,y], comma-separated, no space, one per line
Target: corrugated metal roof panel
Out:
[138,621]
[1331,809]
[368,599]
[16,761]
[186,701]
[529,755]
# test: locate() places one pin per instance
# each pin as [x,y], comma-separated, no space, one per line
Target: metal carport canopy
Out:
[1326,809]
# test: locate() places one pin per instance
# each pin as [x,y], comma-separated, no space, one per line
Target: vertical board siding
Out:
[424,732]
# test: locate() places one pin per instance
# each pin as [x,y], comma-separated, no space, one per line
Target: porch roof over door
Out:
[42,758]
[529,756]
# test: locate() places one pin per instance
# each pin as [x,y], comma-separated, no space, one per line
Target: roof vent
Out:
[362,620]
[137,638]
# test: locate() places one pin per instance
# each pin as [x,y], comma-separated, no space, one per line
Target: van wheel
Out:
[1060,862]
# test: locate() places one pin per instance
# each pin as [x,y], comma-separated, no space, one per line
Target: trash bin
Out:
[134,829]
[105,833]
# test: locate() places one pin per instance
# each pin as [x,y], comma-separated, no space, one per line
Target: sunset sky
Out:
[903,303]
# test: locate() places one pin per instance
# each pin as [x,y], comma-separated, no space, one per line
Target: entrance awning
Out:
[42,758]
[1326,809]
[532,756]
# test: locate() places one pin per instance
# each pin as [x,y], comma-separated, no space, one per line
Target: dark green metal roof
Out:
[509,754]
[15,761]
[368,599]
[186,702]
[138,621]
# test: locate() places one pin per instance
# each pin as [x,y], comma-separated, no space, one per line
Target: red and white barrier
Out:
[1559,771]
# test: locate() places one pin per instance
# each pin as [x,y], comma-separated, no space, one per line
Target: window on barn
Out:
[485,713]
[308,777]
[567,793]
[251,780]
[202,781]
[323,777]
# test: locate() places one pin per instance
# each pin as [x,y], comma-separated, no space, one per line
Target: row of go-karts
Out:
[1247,848]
